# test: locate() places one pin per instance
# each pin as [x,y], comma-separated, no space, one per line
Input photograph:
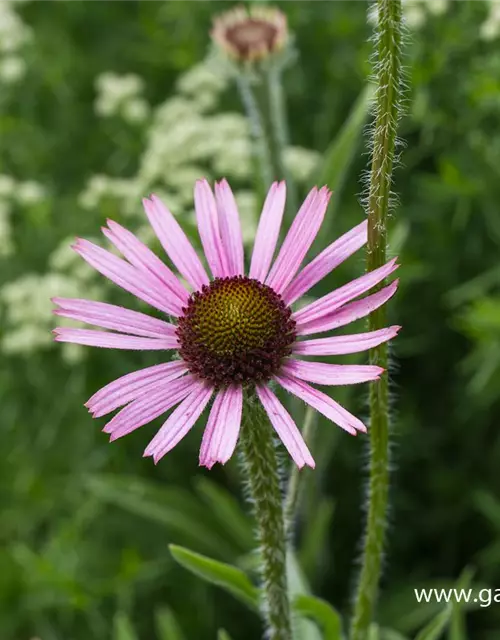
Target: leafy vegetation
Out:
[86,526]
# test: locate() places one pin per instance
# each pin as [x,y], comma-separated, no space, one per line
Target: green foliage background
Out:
[85,526]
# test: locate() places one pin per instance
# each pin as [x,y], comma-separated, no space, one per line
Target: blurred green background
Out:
[102,102]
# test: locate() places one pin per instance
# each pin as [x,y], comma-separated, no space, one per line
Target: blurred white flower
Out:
[30,192]
[135,110]
[121,95]
[5,230]
[14,34]
[12,69]
[7,185]
[27,306]
[490,29]
[202,78]
[301,162]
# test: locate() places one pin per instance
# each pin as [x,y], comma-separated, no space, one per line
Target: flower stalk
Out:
[388,108]
[262,470]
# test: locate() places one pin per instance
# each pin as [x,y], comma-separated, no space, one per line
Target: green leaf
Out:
[391,634]
[223,635]
[298,586]
[489,506]
[233,580]
[167,626]
[228,512]
[340,153]
[457,630]
[174,508]
[122,627]
[322,613]
[436,626]
[315,534]
[374,632]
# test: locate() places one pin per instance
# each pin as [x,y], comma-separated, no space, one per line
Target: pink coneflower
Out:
[232,332]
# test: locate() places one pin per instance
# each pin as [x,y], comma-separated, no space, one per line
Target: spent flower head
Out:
[233,332]
[248,34]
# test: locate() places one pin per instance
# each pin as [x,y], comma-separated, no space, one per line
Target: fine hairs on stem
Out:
[388,78]
[262,472]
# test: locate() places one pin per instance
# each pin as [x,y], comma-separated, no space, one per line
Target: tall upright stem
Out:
[262,95]
[262,470]
[388,78]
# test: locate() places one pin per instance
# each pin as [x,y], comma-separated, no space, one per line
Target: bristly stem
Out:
[262,470]
[388,107]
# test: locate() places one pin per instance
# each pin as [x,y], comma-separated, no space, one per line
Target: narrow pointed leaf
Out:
[223,575]
[436,627]
[226,509]
[325,616]
[339,155]
[122,628]
[167,627]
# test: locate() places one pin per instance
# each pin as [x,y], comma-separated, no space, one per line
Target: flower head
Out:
[250,34]
[232,333]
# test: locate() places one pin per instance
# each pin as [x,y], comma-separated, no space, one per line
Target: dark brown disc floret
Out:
[235,330]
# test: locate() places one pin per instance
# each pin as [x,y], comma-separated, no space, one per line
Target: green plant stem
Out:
[294,484]
[262,95]
[279,130]
[261,467]
[258,134]
[388,77]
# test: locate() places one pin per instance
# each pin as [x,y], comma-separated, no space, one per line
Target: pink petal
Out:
[322,403]
[340,345]
[145,260]
[349,312]
[230,228]
[223,427]
[108,340]
[286,428]
[175,242]
[268,231]
[126,276]
[325,262]
[208,227]
[180,421]
[332,301]
[131,386]
[149,406]
[334,374]
[109,316]
[299,239]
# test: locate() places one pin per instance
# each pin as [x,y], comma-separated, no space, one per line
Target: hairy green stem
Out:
[388,78]
[262,470]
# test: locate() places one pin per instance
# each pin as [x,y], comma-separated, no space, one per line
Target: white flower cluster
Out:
[490,29]
[417,12]
[24,194]
[27,306]
[121,96]
[186,140]
[14,35]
